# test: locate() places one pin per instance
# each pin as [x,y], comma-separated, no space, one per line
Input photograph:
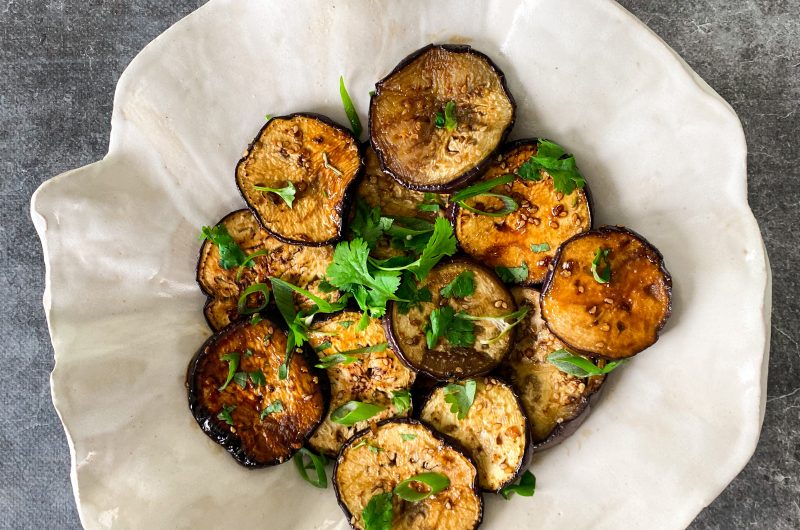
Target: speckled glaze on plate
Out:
[665,155]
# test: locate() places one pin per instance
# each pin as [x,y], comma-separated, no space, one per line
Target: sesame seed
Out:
[605,327]
[580,289]
[553,224]
[593,310]
[536,221]
[498,303]
[608,300]
[600,345]
[559,196]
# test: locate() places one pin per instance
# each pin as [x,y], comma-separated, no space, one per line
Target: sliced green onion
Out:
[262,288]
[435,482]
[482,187]
[232,359]
[247,261]
[322,304]
[316,462]
[349,108]
[353,412]
[601,276]
[509,205]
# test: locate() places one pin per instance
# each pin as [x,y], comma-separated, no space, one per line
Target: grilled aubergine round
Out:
[407,125]
[298,265]
[612,319]
[555,402]
[258,418]
[532,233]
[494,432]
[445,360]
[372,378]
[403,448]
[319,158]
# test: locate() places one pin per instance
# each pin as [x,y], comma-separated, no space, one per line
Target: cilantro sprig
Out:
[401,399]
[526,486]
[444,323]
[378,513]
[446,120]
[460,397]
[551,158]
[230,253]
[579,366]
[512,274]
[484,189]
[602,274]
[461,286]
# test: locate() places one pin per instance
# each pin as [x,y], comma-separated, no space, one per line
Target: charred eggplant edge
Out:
[394,342]
[454,208]
[530,447]
[203,247]
[344,205]
[410,421]
[606,229]
[567,428]
[229,441]
[476,170]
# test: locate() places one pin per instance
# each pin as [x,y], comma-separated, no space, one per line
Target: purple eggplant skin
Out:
[454,208]
[477,169]
[218,432]
[530,447]
[548,283]
[342,208]
[451,444]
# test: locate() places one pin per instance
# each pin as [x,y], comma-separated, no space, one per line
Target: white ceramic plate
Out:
[664,153]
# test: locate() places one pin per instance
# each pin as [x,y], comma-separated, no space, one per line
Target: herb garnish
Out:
[499,321]
[431,202]
[435,482]
[460,397]
[255,319]
[512,274]
[316,462]
[257,377]
[353,412]
[410,295]
[446,120]
[552,158]
[407,437]
[579,366]
[230,254]
[604,275]
[232,359]
[349,109]
[540,247]
[272,408]
[328,165]
[347,357]
[483,189]
[378,513]
[401,399]
[461,286]
[286,193]
[525,487]
[445,323]
[241,306]
[225,414]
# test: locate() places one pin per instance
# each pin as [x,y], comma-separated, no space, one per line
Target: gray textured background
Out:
[60,62]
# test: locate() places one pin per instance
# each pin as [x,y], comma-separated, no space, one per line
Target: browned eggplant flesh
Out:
[239,401]
[366,371]
[532,233]
[494,430]
[454,336]
[298,265]
[296,176]
[608,294]
[555,402]
[438,117]
[403,449]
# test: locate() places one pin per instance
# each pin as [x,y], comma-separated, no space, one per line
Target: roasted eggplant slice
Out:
[239,402]
[302,266]
[555,402]
[436,119]
[608,293]
[313,162]
[532,233]
[470,341]
[494,430]
[368,371]
[376,460]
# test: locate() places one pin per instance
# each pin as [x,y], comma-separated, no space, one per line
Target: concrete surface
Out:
[60,62]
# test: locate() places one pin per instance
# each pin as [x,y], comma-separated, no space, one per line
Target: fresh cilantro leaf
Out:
[401,399]
[444,323]
[374,448]
[540,247]
[255,319]
[286,193]
[409,294]
[324,346]
[410,233]
[349,109]
[461,286]
[248,352]
[446,120]
[225,414]
[525,487]
[378,512]
[442,243]
[512,274]
[460,397]
[579,366]
[346,323]
[368,224]
[272,408]
[240,378]
[430,203]
[326,287]
[561,167]
[232,359]
[601,275]
[438,120]
[406,437]
[230,254]
[258,378]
